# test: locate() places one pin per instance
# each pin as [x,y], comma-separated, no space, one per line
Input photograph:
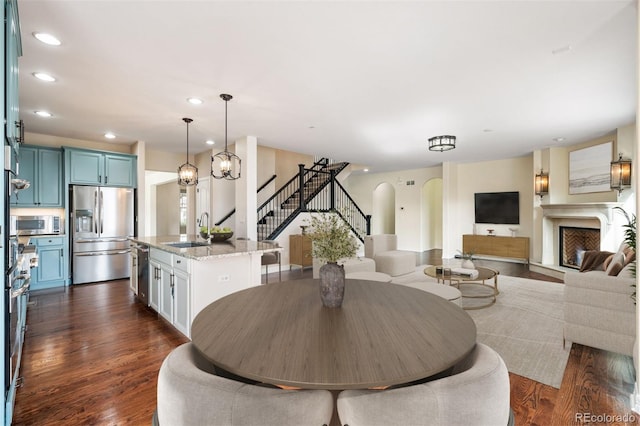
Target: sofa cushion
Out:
[607,262]
[627,271]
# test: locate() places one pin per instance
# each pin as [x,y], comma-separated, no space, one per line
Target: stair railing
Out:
[311,190]
[231,213]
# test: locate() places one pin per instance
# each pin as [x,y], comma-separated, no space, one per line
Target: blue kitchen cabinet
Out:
[88,167]
[52,262]
[13,50]
[42,167]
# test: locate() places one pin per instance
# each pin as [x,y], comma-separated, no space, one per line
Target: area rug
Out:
[524,326]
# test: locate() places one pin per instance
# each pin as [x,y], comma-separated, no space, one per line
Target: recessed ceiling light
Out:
[559,139]
[109,135]
[365,170]
[43,113]
[44,76]
[194,101]
[209,142]
[47,39]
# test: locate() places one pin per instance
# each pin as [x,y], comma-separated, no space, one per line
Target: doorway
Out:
[384,209]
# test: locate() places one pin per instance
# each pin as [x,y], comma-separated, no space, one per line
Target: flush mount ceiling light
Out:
[620,174]
[47,39]
[442,143]
[225,164]
[109,135]
[45,114]
[187,173]
[209,142]
[44,76]
[541,183]
[195,101]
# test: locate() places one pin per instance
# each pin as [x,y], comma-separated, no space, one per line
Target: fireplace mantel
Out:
[602,211]
[552,214]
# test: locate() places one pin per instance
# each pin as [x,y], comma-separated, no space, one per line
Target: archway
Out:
[384,209]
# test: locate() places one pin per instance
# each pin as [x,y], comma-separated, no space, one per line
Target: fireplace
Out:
[574,241]
[591,216]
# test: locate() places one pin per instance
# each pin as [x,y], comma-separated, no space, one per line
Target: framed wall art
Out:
[589,169]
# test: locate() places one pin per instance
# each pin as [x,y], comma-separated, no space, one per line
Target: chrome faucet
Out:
[201,222]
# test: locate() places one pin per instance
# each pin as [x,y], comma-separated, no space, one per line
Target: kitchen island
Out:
[186,274]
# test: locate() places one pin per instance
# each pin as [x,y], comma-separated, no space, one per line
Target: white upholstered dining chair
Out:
[476,393]
[189,395]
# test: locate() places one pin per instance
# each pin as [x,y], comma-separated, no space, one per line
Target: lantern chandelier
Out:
[442,143]
[225,164]
[187,173]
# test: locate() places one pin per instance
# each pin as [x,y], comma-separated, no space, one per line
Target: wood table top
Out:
[384,334]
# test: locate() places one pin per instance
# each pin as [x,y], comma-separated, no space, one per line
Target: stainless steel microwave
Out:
[36,225]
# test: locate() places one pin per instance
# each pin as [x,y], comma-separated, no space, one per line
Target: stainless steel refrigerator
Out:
[102,220]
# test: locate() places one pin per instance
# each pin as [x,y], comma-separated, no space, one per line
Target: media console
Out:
[509,247]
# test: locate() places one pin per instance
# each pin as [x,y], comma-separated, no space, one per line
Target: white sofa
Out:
[599,311]
[383,249]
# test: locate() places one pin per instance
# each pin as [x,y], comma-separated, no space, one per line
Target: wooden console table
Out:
[512,247]
[300,251]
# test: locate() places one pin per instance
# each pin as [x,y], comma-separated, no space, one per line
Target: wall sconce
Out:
[542,183]
[620,174]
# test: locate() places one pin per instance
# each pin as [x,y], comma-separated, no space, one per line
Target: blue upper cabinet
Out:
[13,50]
[42,167]
[87,167]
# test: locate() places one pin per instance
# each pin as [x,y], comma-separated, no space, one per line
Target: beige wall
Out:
[168,209]
[286,165]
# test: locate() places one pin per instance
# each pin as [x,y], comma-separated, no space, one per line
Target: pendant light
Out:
[225,164]
[187,173]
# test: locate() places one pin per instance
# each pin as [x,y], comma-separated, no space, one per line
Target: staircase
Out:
[321,192]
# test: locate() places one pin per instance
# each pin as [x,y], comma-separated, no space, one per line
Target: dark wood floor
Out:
[92,355]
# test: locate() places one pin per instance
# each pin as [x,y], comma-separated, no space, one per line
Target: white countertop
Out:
[231,247]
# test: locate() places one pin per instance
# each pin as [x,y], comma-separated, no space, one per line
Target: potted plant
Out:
[630,239]
[332,240]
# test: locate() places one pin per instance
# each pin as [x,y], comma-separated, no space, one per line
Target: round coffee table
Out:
[482,286]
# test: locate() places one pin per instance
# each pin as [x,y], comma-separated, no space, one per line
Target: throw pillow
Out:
[616,265]
[607,262]
[629,257]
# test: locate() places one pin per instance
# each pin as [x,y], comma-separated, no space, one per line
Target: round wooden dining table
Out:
[384,334]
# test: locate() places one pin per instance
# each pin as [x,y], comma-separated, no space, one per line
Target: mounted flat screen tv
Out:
[498,207]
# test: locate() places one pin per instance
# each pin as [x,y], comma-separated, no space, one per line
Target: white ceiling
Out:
[364,82]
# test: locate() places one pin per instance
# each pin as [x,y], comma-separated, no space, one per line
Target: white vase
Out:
[468,264]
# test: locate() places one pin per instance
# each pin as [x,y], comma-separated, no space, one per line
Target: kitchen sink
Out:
[187,244]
